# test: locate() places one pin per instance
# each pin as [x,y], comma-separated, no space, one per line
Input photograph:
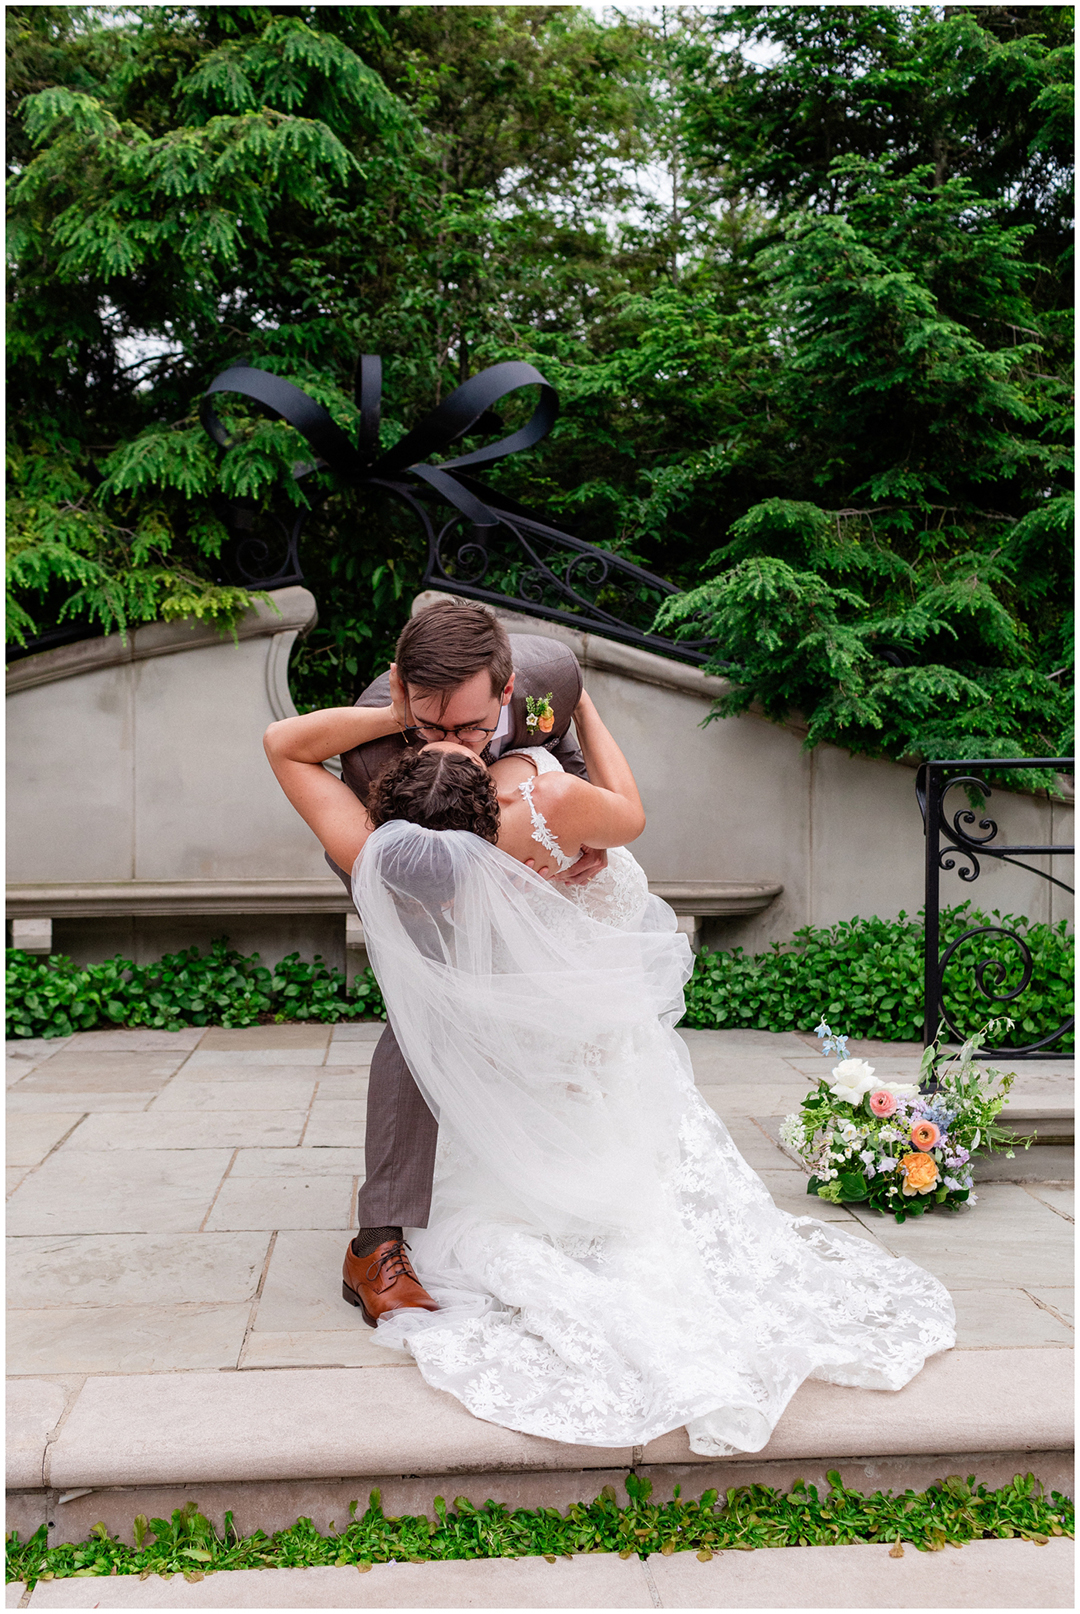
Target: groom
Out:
[458,675]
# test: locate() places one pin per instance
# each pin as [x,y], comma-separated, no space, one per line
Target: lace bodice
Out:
[618,895]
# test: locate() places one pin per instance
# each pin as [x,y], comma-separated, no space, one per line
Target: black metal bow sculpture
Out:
[553,575]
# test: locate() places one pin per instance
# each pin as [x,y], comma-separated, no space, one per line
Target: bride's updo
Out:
[438,789]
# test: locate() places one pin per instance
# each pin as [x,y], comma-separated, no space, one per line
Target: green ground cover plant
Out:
[952,1510]
[869,974]
[785,988]
[52,997]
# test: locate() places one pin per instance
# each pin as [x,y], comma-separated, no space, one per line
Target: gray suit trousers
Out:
[399,1149]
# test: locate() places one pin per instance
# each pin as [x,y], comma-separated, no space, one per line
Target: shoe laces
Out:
[392,1265]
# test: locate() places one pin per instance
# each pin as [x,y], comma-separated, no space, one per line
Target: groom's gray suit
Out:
[401,1131]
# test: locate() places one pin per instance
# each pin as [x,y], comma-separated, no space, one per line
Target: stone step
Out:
[984,1574]
[289,1434]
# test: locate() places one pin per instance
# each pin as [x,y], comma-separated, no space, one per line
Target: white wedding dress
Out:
[607,1265]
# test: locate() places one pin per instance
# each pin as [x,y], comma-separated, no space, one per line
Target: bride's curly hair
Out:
[438,789]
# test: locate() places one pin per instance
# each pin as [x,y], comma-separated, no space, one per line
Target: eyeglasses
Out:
[466,731]
[434,732]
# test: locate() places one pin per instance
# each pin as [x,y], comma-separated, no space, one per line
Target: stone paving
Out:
[180,1201]
[985,1574]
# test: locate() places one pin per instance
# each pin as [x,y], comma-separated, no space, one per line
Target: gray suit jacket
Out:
[542,666]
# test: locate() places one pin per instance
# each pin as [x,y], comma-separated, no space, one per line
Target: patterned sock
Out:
[369,1239]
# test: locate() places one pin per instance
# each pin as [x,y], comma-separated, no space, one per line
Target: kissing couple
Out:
[593,1260]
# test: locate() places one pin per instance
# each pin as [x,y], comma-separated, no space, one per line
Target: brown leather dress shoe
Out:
[382,1281]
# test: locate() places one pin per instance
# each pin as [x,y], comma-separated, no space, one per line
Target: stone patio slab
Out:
[35,1047]
[1005,1318]
[984,1574]
[32,1103]
[199,1129]
[295,1054]
[756,1147]
[1030,1391]
[208,1071]
[302,1291]
[136,1074]
[125,1269]
[78,1191]
[283,1163]
[343,1081]
[1010,1238]
[30,1137]
[349,1053]
[979,1575]
[34,1408]
[126,1339]
[186,1428]
[337,1121]
[13,1176]
[341,1347]
[272,1093]
[727,1044]
[1058,1300]
[601,1580]
[246,1039]
[287,1424]
[357,1031]
[749,1098]
[284,1202]
[1060,1200]
[136,1039]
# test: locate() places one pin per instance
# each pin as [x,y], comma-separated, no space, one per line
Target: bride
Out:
[606,1265]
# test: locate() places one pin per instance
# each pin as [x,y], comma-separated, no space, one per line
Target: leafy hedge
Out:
[866,977]
[53,997]
[746,1517]
[864,974]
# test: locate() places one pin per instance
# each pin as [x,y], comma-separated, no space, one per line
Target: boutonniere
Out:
[540,713]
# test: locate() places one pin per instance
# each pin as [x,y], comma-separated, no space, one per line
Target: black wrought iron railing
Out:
[957,838]
[491,548]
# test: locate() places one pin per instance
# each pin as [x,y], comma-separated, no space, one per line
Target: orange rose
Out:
[920,1173]
[546,723]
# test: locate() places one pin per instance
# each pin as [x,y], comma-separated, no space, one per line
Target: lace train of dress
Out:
[608,1266]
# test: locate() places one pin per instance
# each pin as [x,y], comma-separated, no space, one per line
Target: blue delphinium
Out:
[830,1042]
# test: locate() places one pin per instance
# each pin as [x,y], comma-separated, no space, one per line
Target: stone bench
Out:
[32,907]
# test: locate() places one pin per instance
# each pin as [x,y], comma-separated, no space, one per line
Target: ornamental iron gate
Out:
[965,836]
[491,548]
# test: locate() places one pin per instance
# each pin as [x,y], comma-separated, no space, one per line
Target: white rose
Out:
[897,1089]
[852,1080]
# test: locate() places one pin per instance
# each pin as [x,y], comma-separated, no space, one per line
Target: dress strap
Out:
[540,831]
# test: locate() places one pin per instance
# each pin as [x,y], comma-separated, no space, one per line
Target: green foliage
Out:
[867,974]
[878,961]
[53,997]
[817,371]
[744,1518]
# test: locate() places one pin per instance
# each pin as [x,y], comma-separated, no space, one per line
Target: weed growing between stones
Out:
[951,1512]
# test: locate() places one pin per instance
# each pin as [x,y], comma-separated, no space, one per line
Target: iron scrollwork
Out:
[963,834]
[491,549]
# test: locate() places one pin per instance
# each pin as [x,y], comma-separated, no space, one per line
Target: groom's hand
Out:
[587,867]
[397,695]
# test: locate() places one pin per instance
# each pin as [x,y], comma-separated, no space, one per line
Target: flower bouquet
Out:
[893,1146]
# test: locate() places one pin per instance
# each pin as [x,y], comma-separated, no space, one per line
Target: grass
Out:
[952,1511]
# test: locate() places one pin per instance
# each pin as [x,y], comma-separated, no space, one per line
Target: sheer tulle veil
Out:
[497,987]
[608,1266]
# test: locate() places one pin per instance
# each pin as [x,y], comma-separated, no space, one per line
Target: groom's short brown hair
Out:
[443,645]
